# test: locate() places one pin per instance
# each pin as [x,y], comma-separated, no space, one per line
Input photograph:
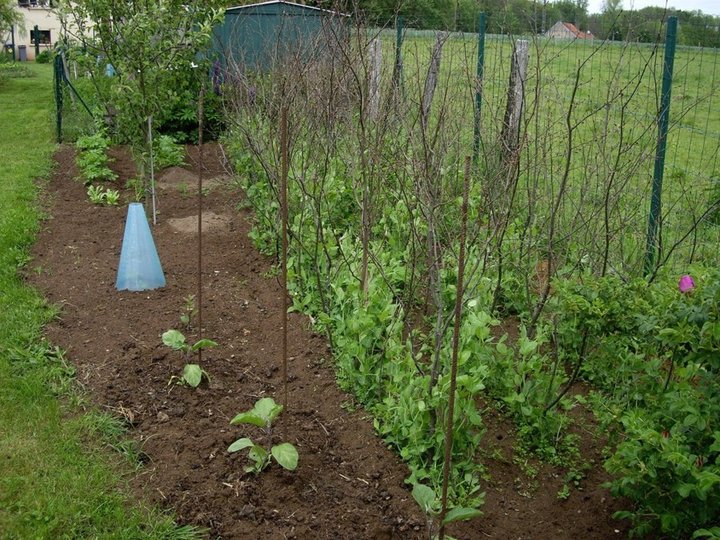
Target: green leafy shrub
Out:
[168,153]
[45,57]
[655,352]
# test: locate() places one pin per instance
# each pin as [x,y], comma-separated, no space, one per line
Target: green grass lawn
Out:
[58,478]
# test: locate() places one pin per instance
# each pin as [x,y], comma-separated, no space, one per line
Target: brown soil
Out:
[348,484]
[211,223]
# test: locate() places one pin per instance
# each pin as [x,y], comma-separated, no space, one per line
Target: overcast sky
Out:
[711,7]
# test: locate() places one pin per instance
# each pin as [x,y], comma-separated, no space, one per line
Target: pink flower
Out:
[686,284]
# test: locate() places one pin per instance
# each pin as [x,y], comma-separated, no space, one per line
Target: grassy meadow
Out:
[58,478]
[608,95]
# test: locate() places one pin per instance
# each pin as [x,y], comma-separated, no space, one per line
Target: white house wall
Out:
[45,19]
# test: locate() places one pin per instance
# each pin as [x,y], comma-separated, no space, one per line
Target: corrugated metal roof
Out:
[293,4]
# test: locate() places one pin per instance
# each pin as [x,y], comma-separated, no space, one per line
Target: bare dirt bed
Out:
[348,484]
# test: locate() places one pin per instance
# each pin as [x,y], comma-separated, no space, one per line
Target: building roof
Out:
[284,2]
[577,33]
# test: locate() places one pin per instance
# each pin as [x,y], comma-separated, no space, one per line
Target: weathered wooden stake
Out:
[432,77]
[516,98]
[373,106]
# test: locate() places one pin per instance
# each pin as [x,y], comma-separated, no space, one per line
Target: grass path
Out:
[57,478]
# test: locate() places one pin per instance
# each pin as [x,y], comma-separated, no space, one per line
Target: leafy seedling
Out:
[192,376]
[96,194]
[138,187]
[430,505]
[189,310]
[192,373]
[112,197]
[262,415]
[176,341]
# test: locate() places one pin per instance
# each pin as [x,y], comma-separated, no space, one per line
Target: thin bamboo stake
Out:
[449,428]
[201,164]
[284,219]
[152,171]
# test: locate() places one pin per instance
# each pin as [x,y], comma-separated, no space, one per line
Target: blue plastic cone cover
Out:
[139,268]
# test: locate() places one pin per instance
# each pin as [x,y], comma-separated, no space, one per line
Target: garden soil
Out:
[348,483]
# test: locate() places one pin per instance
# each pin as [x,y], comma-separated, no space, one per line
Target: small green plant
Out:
[430,504]
[96,194]
[176,341]
[136,184]
[112,197]
[262,415]
[168,153]
[44,57]
[183,190]
[109,197]
[272,272]
[191,376]
[92,158]
[189,310]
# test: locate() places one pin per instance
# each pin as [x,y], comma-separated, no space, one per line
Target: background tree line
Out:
[519,17]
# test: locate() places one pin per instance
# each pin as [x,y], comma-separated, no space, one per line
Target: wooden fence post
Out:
[373,107]
[516,99]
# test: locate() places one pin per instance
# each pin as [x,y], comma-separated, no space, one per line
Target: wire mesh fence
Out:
[590,117]
[72,90]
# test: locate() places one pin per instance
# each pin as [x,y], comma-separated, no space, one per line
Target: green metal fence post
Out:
[12,41]
[59,75]
[663,121]
[397,71]
[479,85]
[36,35]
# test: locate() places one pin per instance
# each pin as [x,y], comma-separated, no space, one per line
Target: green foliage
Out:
[176,341]
[146,81]
[9,15]
[285,454]
[92,159]
[192,376]
[654,351]
[57,479]
[431,505]
[263,413]
[138,187]
[96,194]
[109,197]
[112,197]
[167,153]
[45,57]
[189,310]
[14,71]
[192,373]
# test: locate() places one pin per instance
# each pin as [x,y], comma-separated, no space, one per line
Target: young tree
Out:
[8,14]
[148,44]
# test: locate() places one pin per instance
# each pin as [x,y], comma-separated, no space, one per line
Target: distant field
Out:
[614,131]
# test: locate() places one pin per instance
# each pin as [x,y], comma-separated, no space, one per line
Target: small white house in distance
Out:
[564,30]
[38,13]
